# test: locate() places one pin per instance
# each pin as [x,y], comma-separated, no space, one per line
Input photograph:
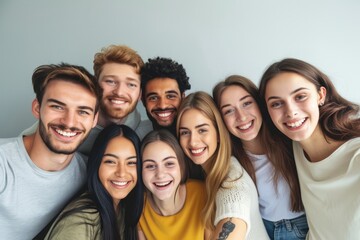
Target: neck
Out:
[254,146]
[169,206]
[42,157]
[317,147]
[105,120]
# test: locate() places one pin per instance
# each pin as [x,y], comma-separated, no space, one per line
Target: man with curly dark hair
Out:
[163,83]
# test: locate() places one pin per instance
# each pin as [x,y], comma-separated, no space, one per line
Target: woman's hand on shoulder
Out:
[230,228]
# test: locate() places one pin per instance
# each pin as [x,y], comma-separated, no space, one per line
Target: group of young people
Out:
[280,161]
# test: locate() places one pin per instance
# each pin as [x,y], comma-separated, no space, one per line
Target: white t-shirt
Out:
[330,191]
[274,206]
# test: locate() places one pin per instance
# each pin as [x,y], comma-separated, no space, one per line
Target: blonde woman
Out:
[231,210]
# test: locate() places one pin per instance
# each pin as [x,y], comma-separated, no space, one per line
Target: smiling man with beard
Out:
[117,70]
[39,173]
[163,83]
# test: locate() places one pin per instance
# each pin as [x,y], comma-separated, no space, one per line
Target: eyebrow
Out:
[166,158]
[115,156]
[291,93]
[244,97]
[114,76]
[166,92]
[198,126]
[52,100]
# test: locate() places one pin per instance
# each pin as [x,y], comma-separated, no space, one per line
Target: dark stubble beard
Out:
[46,139]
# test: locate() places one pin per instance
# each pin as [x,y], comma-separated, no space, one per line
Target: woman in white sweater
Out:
[325,128]
[231,210]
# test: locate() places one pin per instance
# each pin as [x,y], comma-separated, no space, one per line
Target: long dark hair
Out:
[278,149]
[132,204]
[97,200]
[339,118]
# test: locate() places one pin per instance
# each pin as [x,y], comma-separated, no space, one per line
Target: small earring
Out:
[321,104]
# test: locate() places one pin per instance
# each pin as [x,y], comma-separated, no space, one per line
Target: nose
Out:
[194,139]
[240,114]
[118,89]
[291,110]
[160,172]
[163,103]
[69,119]
[120,170]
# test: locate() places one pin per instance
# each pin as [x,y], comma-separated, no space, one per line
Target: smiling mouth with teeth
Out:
[246,126]
[120,184]
[66,134]
[163,184]
[295,124]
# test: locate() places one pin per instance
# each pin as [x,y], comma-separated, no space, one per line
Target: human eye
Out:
[149,166]
[84,113]
[170,164]
[110,82]
[132,85]
[227,111]
[203,130]
[301,97]
[153,98]
[275,104]
[131,163]
[108,161]
[184,132]
[56,107]
[247,103]
[171,96]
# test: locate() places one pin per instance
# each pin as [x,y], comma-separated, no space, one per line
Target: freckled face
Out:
[198,136]
[293,105]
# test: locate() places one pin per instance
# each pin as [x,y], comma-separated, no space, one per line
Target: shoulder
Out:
[195,187]
[144,128]
[78,224]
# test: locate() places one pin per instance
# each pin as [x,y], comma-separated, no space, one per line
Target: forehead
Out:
[162,85]
[233,92]
[158,150]
[69,92]
[285,83]
[194,117]
[119,70]
[120,145]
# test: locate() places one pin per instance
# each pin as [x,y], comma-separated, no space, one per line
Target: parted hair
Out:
[219,162]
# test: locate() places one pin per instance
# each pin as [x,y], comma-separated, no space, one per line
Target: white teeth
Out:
[66,134]
[247,126]
[162,184]
[164,114]
[296,124]
[119,183]
[118,101]
[196,151]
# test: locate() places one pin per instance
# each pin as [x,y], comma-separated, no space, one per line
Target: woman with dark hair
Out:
[112,204]
[325,129]
[173,204]
[272,169]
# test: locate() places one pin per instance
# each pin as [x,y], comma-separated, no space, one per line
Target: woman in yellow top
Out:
[173,205]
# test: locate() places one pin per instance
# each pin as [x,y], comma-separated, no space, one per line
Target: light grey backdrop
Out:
[212,39]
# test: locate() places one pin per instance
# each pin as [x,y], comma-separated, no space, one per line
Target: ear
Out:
[96,117]
[35,108]
[140,94]
[322,96]
[183,95]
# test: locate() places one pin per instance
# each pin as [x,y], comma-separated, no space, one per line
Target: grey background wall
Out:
[212,39]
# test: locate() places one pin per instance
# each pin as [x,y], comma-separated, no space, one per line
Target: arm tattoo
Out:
[227,228]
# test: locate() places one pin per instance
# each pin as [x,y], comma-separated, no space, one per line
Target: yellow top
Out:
[186,224]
